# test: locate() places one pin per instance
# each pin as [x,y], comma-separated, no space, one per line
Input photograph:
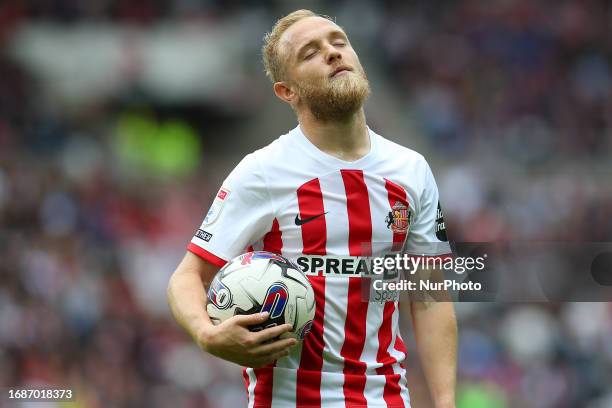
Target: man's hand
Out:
[233,341]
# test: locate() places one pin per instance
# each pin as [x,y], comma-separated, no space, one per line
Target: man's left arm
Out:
[433,315]
[435,331]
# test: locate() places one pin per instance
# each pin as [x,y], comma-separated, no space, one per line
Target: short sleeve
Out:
[427,234]
[240,214]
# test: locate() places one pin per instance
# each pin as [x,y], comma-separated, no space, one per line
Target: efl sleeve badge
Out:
[217,206]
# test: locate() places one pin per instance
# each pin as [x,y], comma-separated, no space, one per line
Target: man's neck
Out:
[347,140]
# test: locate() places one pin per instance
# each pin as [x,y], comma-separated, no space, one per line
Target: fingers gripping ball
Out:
[263,282]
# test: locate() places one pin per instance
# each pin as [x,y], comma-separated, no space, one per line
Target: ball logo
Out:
[305,330]
[252,256]
[219,295]
[275,300]
[246,258]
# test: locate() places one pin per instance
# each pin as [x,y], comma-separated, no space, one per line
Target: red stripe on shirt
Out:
[400,346]
[273,240]
[358,209]
[245,375]
[263,386]
[314,238]
[207,256]
[308,388]
[360,243]
[396,193]
[392,390]
[314,232]
[354,340]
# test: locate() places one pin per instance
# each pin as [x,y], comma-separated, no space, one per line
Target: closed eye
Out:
[310,54]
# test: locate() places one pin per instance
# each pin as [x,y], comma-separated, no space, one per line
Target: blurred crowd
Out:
[510,101]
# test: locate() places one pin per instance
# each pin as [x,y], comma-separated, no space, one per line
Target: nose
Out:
[332,54]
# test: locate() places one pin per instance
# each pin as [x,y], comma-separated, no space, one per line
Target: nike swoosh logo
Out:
[302,221]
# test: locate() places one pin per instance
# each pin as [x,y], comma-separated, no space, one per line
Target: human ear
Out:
[284,92]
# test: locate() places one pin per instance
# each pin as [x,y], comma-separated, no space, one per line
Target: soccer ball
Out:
[263,282]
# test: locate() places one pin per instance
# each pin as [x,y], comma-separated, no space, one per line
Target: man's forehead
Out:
[306,30]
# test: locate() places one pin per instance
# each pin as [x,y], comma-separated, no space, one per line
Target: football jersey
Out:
[323,213]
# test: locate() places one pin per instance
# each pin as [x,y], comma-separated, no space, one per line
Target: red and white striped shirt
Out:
[293,199]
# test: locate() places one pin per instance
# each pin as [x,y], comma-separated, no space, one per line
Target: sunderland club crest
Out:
[399,218]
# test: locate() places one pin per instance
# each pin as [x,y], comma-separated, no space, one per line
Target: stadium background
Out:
[118,121]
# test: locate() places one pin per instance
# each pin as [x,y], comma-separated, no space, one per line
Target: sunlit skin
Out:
[318,52]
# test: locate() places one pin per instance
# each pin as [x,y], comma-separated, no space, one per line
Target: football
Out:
[263,282]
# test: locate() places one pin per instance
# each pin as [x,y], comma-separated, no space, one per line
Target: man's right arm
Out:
[230,340]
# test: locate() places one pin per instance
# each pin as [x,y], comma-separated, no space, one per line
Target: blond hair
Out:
[274,62]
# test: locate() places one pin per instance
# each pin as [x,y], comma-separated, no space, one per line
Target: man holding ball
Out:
[327,190]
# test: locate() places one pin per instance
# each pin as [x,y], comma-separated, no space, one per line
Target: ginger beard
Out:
[335,98]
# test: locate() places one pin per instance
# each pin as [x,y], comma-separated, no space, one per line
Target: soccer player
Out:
[329,189]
